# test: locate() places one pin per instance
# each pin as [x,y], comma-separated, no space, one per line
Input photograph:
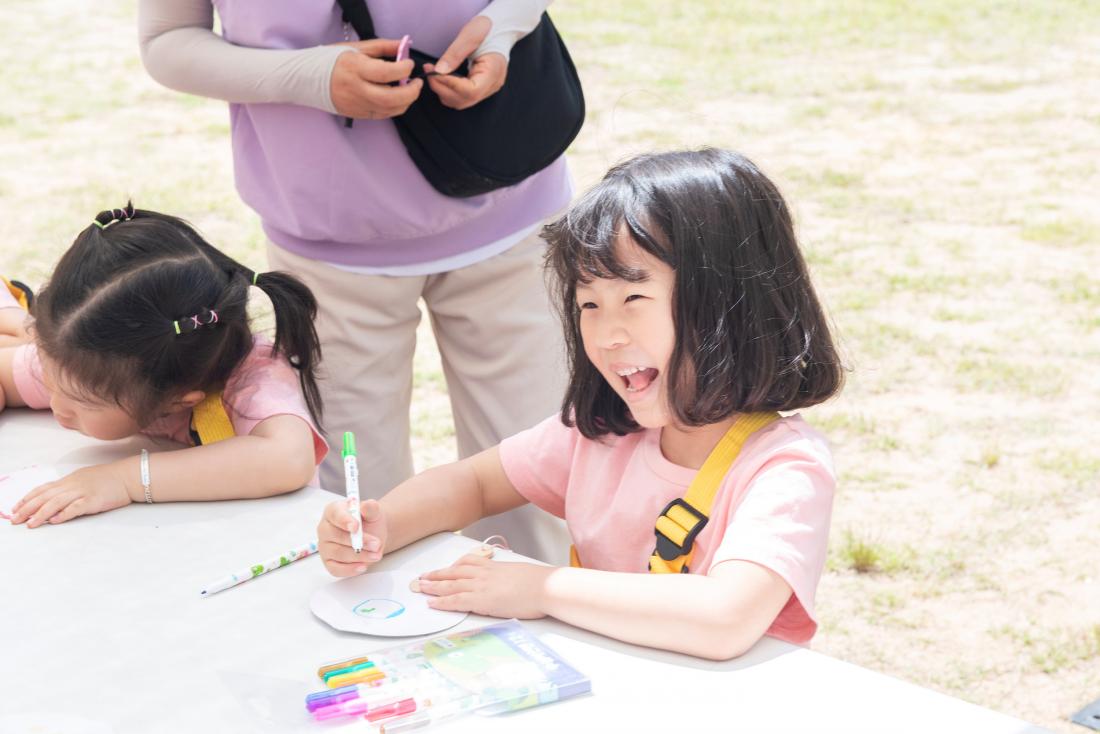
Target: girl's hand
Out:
[84,492]
[360,84]
[490,588]
[487,72]
[334,537]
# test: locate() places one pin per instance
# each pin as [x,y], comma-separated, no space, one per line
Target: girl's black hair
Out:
[751,334]
[117,314]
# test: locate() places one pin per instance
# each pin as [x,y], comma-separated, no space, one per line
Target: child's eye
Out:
[586,304]
[633,296]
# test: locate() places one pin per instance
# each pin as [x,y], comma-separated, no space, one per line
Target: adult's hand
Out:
[360,84]
[487,72]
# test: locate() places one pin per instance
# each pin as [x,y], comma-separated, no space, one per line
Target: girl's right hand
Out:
[334,537]
[360,84]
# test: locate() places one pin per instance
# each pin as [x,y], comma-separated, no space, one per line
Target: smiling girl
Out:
[699,516]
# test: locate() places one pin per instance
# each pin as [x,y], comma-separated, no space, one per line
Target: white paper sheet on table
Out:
[16,485]
[381,603]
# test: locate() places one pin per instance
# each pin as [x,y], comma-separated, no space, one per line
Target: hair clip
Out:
[189,324]
[107,217]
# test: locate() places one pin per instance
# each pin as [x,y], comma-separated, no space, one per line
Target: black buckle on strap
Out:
[666,548]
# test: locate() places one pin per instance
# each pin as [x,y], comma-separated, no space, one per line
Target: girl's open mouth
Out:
[637,379]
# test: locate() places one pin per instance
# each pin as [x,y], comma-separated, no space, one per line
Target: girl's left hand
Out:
[490,588]
[84,492]
[487,72]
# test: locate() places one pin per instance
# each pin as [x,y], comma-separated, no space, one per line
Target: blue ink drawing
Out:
[379,609]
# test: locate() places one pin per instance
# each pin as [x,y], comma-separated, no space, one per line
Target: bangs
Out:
[97,379]
[586,243]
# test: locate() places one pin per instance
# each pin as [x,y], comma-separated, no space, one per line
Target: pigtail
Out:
[295,334]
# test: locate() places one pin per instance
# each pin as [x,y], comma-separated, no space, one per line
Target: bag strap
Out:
[356,13]
[210,422]
[683,519]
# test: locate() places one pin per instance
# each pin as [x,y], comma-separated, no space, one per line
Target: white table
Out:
[105,631]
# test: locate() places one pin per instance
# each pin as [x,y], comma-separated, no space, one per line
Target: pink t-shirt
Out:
[772,509]
[263,386]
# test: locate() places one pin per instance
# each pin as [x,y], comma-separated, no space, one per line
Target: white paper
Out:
[381,603]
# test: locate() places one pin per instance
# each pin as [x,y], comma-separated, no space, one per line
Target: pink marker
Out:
[403,53]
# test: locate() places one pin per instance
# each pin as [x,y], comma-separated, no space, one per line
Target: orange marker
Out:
[339,666]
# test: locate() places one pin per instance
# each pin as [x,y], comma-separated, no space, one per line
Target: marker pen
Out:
[351,485]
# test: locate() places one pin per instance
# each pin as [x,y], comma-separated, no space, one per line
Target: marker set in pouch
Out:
[488,670]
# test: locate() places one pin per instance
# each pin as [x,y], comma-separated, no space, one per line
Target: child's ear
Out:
[187,401]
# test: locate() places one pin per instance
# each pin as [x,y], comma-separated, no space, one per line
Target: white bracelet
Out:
[145,476]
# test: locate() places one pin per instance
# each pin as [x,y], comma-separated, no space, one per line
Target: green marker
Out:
[351,485]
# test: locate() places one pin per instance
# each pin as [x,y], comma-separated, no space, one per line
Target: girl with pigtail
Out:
[143,328]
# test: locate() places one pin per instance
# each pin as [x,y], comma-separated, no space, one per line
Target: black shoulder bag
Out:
[503,139]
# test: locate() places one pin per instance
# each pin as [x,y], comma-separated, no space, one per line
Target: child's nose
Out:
[613,335]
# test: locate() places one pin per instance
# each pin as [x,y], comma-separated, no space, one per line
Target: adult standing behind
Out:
[346,210]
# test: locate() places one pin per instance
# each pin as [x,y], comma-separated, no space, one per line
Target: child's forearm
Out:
[242,467]
[437,500]
[447,498]
[698,615]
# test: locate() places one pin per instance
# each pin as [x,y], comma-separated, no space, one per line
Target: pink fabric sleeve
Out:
[783,525]
[7,300]
[26,373]
[537,462]
[264,387]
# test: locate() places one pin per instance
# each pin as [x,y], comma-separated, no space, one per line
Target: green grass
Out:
[1062,232]
[990,457]
[994,374]
[867,555]
[1050,650]
[1079,466]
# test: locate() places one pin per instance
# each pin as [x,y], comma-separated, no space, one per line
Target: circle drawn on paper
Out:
[379,609]
[380,603]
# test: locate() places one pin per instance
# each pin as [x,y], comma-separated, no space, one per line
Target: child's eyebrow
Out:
[630,275]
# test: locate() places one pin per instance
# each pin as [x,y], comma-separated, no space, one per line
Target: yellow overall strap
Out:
[209,421]
[19,291]
[682,520]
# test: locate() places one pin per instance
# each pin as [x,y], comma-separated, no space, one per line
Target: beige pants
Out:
[500,345]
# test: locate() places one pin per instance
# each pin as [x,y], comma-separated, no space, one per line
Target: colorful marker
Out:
[374,694]
[349,669]
[324,670]
[260,569]
[403,53]
[334,696]
[370,701]
[351,484]
[359,676]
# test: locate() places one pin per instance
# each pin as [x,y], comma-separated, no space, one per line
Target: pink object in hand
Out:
[403,53]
